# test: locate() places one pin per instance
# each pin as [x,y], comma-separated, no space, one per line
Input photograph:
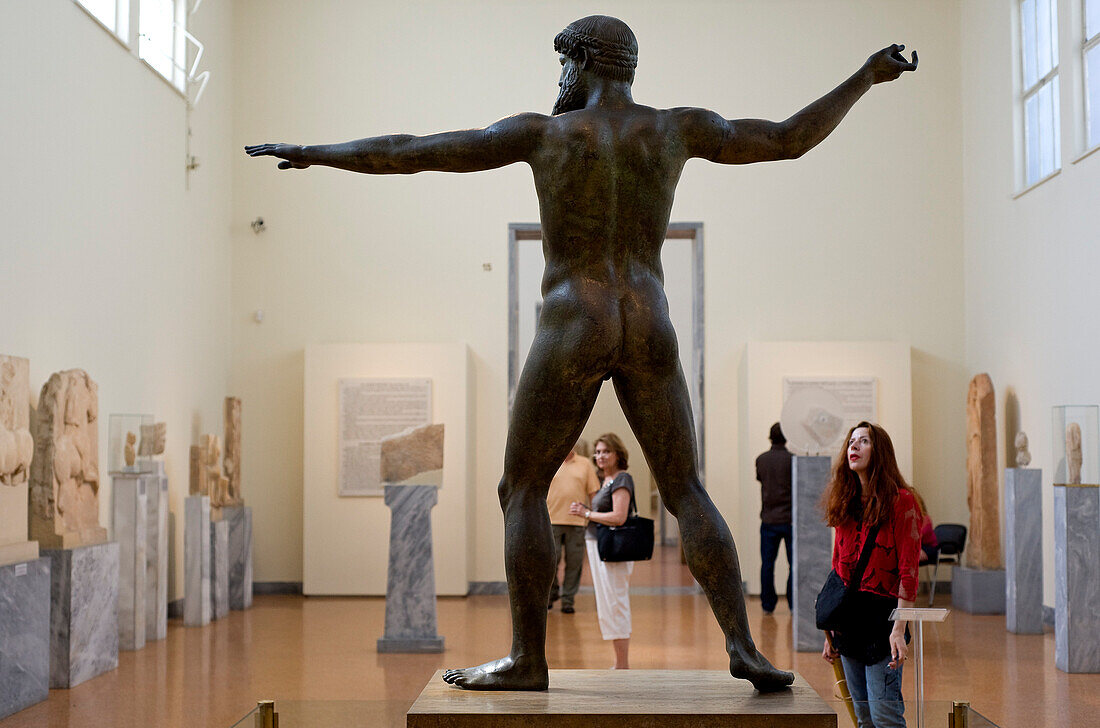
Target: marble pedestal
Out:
[130,513]
[24,634]
[813,548]
[239,555]
[156,551]
[219,569]
[83,612]
[1023,550]
[196,560]
[618,698]
[410,581]
[1077,578]
[978,591]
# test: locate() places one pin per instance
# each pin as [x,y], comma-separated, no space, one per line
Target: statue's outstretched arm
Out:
[509,140]
[755,140]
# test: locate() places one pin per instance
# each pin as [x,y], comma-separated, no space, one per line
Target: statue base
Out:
[978,591]
[604,698]
[24,634]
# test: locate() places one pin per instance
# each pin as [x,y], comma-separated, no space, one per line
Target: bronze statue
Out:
[605,172]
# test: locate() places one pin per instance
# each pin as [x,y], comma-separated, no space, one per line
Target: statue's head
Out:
[600,45]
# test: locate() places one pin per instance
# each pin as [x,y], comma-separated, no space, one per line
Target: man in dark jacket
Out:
[773,470]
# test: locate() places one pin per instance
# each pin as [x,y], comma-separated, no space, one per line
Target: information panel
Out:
[371,409]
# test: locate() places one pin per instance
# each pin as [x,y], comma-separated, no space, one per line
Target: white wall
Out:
[859,240]
[111,262]
[1031,261]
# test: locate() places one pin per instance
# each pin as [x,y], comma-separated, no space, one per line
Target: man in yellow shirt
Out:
[575,481]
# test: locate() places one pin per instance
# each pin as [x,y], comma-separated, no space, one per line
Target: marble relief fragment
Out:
[983,547]
[232,461]
[414,455]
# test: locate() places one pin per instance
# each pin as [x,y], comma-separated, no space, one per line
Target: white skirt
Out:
[611,580]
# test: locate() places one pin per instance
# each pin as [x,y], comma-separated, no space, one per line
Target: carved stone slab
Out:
[414,456]
[232,461]
[983,546]
[64,483]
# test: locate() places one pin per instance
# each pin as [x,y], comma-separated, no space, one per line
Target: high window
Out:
[1039,48]
[156,31]
[1091,51]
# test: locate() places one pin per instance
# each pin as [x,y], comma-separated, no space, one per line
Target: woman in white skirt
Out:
[610,507]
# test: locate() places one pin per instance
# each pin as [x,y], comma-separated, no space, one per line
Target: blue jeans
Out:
[876,693]
[770,536]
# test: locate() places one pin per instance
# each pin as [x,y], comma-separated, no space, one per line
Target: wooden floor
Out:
[291,648]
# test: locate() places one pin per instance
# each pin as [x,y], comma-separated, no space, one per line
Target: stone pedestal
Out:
[130,513]
[24,634]
[196,561]
[240,555]
[813,547]
[83,612]
[156,551]
[410,581]
[219,569]
[978,591]
[617,698]
[1077,578]
[1023,550]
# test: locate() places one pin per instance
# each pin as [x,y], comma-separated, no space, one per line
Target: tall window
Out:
[1092,71]
[155,29]
[1039,46]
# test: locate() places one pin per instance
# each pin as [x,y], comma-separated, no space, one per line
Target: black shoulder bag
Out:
[835,605]
[632,541]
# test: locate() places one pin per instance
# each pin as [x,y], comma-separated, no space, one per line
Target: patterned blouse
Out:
[892,568]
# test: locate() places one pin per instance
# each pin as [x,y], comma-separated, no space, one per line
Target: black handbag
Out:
[835,605]
[632,541]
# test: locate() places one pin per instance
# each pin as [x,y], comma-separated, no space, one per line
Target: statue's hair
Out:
[611,45]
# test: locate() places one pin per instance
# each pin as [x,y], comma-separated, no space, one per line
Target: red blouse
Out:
[892,568]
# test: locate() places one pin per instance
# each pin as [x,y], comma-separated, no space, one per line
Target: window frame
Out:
[1092,116]
[1052,80]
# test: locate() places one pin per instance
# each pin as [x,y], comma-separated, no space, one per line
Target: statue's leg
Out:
[658,408]
[552,404]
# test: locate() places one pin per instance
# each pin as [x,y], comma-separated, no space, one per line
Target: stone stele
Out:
[983,548]
[152,439]
[232,461]
[64,482]
[206,474]
[16,453]
[413,456]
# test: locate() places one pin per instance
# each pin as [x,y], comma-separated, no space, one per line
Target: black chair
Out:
[952,541]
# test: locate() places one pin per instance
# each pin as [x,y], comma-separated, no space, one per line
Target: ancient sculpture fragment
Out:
[129,454]
[206,474]
[417,451]
[16,443]
[64,492]
[1023,457]
[1073,453]
[152,439]
[232,462]
[983,548]
[605,172]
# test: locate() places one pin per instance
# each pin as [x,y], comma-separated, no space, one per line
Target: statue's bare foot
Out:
[764,676]
[507,673]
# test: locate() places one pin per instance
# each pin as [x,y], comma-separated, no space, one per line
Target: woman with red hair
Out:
[867,499]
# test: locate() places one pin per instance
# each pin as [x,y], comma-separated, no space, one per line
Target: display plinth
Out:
[1023,550]
[240,555]
[606,698]
[1077,578]
[219,569]
[812,547]
[83,613]
[196,560]
[978,591]
[24,634]
[156,550]
[130,514]
[410,585]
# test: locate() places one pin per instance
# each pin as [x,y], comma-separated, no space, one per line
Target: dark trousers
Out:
[770,536]
[569,539]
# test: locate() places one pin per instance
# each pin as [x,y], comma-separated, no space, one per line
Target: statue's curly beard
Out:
[571,97]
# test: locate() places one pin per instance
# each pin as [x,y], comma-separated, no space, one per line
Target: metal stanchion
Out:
[959,717]
[266,717]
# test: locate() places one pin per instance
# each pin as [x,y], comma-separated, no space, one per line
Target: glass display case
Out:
[123,440]
[1076,450]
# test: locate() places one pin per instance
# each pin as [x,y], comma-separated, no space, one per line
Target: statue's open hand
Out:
[889,63]
[291,154]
